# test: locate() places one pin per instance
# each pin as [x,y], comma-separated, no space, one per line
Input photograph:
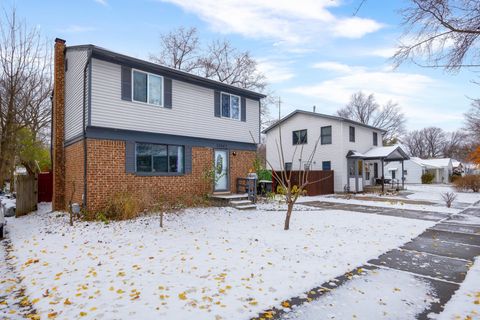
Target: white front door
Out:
[221,170]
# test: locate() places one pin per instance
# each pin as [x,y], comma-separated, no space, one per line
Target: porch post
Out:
[356,175]
[383,177]
[403,177]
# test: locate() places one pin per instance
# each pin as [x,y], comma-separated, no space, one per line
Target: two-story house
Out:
[121,124]
[353,150]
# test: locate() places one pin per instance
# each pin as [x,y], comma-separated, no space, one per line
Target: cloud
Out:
[287,22]
[102,2]
[422,98]
[336,67]
[77,29]
[275,71]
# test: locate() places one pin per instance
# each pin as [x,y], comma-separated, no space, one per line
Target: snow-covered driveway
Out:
[215,263]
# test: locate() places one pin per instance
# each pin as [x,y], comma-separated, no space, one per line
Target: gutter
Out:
[85,69]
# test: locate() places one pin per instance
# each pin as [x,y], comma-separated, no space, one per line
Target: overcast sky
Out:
[313,52]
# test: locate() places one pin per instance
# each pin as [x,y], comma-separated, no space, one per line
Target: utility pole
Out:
[279,107]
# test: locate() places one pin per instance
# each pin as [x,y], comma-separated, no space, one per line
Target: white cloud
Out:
[383,52]
[283,21]
[78,29]
[275,71]
[336,67]
[102,2]
[422,99]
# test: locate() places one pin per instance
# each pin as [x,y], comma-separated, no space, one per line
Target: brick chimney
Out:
[58,126]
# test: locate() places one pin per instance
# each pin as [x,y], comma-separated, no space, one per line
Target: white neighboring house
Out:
[351,149]
[414,168]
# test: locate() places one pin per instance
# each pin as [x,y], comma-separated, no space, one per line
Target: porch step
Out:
[246,207]
[238,201]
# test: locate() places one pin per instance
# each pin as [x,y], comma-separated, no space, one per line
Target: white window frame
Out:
[239,106]
[148,89]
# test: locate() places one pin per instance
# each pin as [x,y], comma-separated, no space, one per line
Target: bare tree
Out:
[180,49]
[472,120]
[434,141]
[366,110]
[442,33]
[25,84]
[454,146]
[426,143]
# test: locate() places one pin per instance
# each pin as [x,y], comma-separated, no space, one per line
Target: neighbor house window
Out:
[288,166]
[375,139]
[326,135]
[326,165]
[147,88]
[230,106]
[159,158]
[299,137]
[352,134]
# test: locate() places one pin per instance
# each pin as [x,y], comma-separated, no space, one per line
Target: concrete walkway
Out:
[440,256]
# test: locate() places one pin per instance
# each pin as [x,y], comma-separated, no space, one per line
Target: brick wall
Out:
[107,177]
[74,165]
[240,165]
[58,128]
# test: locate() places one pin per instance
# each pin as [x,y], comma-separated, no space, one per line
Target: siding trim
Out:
[149,137]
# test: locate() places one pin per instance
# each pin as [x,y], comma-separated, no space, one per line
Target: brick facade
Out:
[74,172]
[106,174]
[58,127]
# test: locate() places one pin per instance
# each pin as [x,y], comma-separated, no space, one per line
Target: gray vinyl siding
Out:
[76,60]
[192,112]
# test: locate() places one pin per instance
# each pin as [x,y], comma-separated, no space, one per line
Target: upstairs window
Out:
[159,158]
[375,139]
[230,106]
[352,134]
[326,135]
[299,137]
[147,88]
[326,165]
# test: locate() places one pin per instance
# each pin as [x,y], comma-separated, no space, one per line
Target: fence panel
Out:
[321,182]
[26,187]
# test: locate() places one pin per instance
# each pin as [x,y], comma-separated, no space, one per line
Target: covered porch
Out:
[368,169]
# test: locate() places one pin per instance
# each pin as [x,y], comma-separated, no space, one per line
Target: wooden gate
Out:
[45,186]
[26,186]
[321,182]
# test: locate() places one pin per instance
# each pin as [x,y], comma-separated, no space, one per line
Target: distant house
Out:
[414,168]
[351,149]
[123,125]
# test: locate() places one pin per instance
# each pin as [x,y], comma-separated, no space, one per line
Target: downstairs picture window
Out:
[159,158]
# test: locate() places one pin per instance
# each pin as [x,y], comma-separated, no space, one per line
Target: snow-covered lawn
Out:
[213,263]
[466,301]
[433,192]
[382,294]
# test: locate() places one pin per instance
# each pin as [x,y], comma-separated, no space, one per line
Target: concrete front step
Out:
[246,207]
[240,202]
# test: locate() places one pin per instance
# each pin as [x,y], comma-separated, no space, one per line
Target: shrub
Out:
[427,178]
[449,197]
[264,174]
[468,182]
[123,206]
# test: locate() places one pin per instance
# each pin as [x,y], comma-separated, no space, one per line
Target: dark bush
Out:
[427,178]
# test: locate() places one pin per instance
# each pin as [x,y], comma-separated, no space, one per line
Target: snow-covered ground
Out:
[465,303]
[396,203]
[433,192]
[382,294]
[8,290]
[213,263]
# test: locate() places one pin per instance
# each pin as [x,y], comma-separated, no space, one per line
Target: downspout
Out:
[85,69]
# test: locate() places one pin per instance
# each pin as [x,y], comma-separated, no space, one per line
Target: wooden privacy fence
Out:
[26,187]
[321,182]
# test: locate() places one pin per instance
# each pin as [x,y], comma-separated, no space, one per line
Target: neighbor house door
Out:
[221,170]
